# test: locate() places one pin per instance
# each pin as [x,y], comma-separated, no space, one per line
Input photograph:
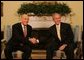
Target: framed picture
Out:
[1,8]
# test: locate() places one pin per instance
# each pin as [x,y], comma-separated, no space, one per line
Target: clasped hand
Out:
[33,40]
[62,47]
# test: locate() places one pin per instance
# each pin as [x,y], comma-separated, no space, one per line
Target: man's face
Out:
[57,18]
[24,19]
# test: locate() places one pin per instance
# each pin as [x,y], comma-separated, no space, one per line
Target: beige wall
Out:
[77,9]
[10,15]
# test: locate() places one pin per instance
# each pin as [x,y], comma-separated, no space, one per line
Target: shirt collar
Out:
[22,25]
[58,25]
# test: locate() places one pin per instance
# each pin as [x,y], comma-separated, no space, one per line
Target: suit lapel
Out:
[21,30]
[55,31]
[61,30]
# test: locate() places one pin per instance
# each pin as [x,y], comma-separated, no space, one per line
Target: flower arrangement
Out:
[44,8]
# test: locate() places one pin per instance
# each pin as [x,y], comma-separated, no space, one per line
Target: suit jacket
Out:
[18,37]
[66,36]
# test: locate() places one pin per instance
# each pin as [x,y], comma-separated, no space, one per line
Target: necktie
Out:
[25,31]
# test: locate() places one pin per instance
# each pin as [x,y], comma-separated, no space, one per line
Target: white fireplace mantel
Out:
[44,21]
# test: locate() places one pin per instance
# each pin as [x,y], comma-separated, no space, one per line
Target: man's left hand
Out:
[62,47]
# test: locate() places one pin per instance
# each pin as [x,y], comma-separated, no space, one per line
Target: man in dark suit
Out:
[61,38]
[21,39]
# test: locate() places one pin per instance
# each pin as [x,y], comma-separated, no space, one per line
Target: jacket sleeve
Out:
[70,36]
[16,34]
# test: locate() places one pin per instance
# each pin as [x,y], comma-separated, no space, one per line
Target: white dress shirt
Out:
[58,31]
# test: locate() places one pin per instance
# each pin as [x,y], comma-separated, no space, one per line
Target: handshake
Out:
[33,40]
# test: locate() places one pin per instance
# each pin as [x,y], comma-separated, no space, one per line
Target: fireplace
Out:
[42,35]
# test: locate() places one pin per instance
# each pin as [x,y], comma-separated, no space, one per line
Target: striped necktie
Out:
[25,31]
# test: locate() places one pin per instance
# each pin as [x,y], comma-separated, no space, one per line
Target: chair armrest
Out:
[3,40]
[75,50]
